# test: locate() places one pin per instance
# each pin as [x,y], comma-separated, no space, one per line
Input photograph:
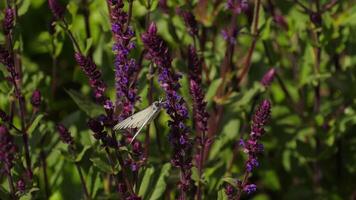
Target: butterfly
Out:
[140,119]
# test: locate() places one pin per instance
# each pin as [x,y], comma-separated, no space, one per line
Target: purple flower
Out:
[281,21]
[36,98]
[8,22]
[64,134]
[56,8]
[125,68]
[94,75]
[158,53]
[237,6]
[252,146]
[7,148]
[6,58]
[268,77]
[229,35]
[162,4]
[189,21]
[316,18]
[21,185]
[250,188]
[230,191]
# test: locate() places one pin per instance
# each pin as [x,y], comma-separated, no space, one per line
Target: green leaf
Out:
[161,184]
[79,157]
[25,4]
[35,124]
[212,89]
[89,107]
[89,43]
[146,182]
[100,164]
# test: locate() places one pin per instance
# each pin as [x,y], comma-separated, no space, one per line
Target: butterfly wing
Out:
[147,121]
[136,120]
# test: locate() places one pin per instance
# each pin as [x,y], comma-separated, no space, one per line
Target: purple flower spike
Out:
[21,185]
[7,148]
[268,77]
[8,22]
[158,53]
[249,189]
[36,98]
[6,58]
[237,6]
[125,67]
[56,8]
[64,134]
[189,21]
[94,75]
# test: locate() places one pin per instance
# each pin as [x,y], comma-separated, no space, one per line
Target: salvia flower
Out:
[230,191]
[64,134]
[6,58]
[250,188]
[199,105]
[21,185]
[281,21]
[157,52]
[268,77]
[125,67]
[36,98]
[230,35]
[189,21]
[7,148]
[237,6]
[252,146]
[8,22]
[94,75]
[56,8]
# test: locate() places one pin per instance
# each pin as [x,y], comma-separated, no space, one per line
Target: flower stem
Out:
[11,182]
[82,180]
[247,62]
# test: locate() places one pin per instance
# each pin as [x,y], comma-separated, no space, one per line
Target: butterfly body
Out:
[140,119]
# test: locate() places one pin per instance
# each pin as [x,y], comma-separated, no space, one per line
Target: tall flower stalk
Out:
[7,57]
[158,53]
[252,147]
[8,150]
[125,68]
[66,138]
[199,112]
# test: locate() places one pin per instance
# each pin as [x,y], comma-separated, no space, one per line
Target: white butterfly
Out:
[140,119]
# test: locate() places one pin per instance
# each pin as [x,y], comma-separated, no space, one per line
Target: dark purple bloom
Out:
[6,58]
[8,22]
[237,6]
[21,185]
[230,191]
[56,8]
[94,75]
[281,21]
[230,35]
[250,188]
[268,77]
[316,18]
[158,53]
[162,4]
[189,21]
[252,146]
[36,98]
[64,134]
[125,67]
[7,148]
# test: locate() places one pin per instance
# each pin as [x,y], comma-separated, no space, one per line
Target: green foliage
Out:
[309,144]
